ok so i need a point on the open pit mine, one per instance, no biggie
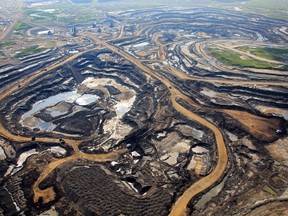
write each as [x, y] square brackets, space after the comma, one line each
[144, 117]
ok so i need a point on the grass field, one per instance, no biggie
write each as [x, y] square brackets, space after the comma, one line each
[275, 9]
[235, 59]
[268, 53]
[21, 26]
[50, 44]
[29, 51]
[66, 12]
[7, 43]
[268, 189]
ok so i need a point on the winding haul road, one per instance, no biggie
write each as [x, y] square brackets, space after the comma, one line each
[48, 194]
[180, 206]
[205, 183]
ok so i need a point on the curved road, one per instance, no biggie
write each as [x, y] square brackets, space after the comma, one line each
[205, 183]
[180, 206]
[48, 194]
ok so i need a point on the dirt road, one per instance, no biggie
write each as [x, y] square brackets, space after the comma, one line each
[48, 194]
[180, 206]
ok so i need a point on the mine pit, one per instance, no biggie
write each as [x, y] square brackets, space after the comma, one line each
[142, 112]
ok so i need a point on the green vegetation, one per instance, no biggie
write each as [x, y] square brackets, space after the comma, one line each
[7, 43]
[1, 54]
[40, 16]
[274, 9]
[268, 189]
[268, 53]
[235, 59]
[50, 44]
[67, 12]
[285, 68]
[29, 51]
[22, 26]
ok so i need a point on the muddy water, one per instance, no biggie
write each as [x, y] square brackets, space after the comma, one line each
[210, 194]
[87, 99]
[123, 107]
[51, 101]
[28, 119]
[21, 160]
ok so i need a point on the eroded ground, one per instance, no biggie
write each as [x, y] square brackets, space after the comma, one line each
[143, 117]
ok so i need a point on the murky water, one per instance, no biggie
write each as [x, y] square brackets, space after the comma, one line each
[87, 99]
[209, 93]
[21, 160]
[56, 113]
[141, 44]
[123, 107]
[57, 150]
[210, 194]
[44, 126]
[52, 101]
[34, 122]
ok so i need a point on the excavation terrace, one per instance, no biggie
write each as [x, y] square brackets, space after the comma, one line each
[145, 113]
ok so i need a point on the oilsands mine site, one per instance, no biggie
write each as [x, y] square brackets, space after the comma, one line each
[143, 108]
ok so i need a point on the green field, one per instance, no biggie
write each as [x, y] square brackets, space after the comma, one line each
[275, 9]
[269, 190]
[7, 43]
[285, 68]
[234, 59]
[66, 12]
[29, 51]
[268, 53]
[50, 44]
[21, 26]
